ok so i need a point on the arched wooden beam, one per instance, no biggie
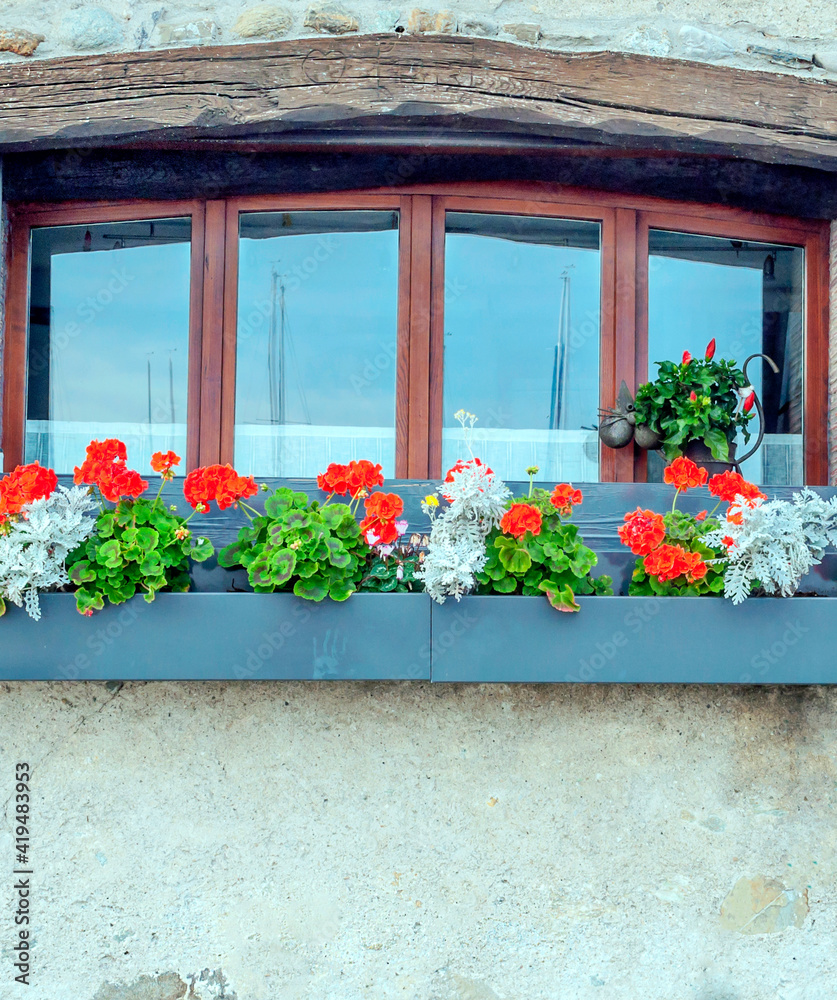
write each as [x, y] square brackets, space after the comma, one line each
[407, 85]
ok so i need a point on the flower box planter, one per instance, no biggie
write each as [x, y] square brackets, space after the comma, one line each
[221, 636]
[699, 640]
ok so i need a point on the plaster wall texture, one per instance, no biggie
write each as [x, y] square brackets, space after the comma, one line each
[797, 36]
[259, 841]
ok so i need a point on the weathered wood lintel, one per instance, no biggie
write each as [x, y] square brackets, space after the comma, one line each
[308, 87]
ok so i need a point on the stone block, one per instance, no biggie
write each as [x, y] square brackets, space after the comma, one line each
[524, 32]
[198, 32]
[477, 26]
[264, 21]
[91, 28]
[763, 905]
[19, 41]
[699, 44]
[430, 22]
[168, 986]
[330, 19]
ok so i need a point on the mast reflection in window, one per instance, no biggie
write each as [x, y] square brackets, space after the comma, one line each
[108, 340]
[522, 343]
[316, 341]
[750, 297]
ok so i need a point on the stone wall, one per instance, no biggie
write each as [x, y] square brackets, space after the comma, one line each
[352, 841]
[794, 36]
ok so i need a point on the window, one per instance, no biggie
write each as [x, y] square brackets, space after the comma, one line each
[284, 332]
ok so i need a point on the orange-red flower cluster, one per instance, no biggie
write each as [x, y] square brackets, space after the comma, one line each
[520, 518]
[563, 497]
[729, 485]
[21, 487]
[220, 483]
[353, 478]
[105, 466]
[642, 531]
[667, 562]
[684, 474]
[164, 463]
[380, 527]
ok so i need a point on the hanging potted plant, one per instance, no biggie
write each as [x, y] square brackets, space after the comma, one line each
[694, 409]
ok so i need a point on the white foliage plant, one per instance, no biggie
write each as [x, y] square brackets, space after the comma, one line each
[456, 550]
[776, 543]
[34, 548]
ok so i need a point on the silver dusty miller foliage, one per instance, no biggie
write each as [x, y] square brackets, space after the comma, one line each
[456, 549]
[34, 551]
[776, 543]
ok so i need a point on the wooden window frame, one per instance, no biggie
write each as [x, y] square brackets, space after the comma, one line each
[625, 222]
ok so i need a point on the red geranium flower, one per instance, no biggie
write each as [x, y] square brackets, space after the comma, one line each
[220, 483]
[381, 511]
[105, 467]
[701, 516]
[25, 484]
[563, 497]
[729, 485]
[101, 456]
[119, 482]
[520, 518]
[164, 463]
[642, 531]
[684, 474]
[333, 480]
[386, 506]
[667, 562]
[461, 466]
[352, 478]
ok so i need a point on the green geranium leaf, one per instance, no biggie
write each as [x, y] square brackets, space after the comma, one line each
[311, 590]
[342, 591]
[230, 555]
[561, 600]
[282, 565]
[82, 572]
[201, 550]
[110, 554]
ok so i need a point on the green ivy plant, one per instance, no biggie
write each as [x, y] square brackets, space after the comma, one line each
[554, 562]
[697, 400]
[140, 546]
[298, 545]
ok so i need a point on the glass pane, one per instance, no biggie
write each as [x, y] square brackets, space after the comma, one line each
[522, 343]
[317, 330]
[108, 340]
[750, 298]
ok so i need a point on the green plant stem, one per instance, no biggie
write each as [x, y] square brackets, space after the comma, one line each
[674, 501]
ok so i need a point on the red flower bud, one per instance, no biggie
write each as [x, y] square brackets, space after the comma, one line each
[686, 357]
[693, 395]
[710, 350]
[749, 402]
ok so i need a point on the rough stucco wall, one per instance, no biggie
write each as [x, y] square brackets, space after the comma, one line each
[797, 35]
[339, 842]
[351, 841]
